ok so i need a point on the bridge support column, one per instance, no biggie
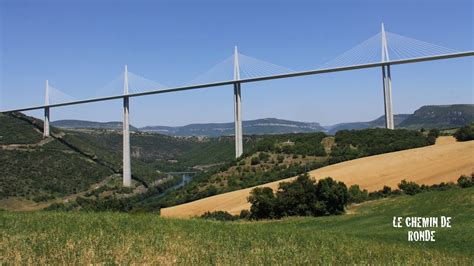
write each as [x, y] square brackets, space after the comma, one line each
[127, 172]
[46, 123]
[238, 121]
[46, 132]
[387, 83]
[387, 92]
[237, 108]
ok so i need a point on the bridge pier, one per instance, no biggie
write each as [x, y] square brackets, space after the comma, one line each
[46, 132]
[387, 83]
[387, 92]
[127, 172]
[237, 108]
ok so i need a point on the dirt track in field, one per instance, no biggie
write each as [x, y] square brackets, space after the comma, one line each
[445, 161]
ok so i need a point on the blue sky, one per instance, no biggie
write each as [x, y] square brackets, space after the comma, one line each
[80, 46]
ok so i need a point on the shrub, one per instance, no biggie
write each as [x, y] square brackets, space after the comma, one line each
[464, 133]
[280, 158]
[356, 195]
[219, 216]
[244, 215]
[410, 188]
[43, 198]
[263, 156]
[254, 161]
[466, 181]
[434, 133]
[386, 190]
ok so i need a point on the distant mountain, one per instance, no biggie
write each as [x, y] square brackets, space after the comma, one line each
[113, 125]
[259, 126]
[379, 122]
[440, 116]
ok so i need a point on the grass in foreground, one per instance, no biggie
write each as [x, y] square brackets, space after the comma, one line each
[366, 237]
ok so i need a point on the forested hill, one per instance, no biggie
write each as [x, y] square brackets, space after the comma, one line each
[69, 162]
[113, 125]
[432, 116]
[259, 126]
[440, 116]
[379, 122]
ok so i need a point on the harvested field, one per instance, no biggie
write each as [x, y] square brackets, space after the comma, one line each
[443, 162]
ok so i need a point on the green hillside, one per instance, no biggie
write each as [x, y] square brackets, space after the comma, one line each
[37, 168]
[71, 161]
[440, 116]
[71, 124]
[281, 156]
[366, 236]
[74, 160]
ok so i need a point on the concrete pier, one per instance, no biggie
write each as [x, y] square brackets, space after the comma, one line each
[387, 83]
[46, 132]
[237, 108]
[127, 172]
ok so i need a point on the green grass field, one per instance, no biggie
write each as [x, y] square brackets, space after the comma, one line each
[365, 236]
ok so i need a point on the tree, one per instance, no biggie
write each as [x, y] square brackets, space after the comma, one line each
[433, 134]
[297, 197]
[386, 190]
[410, 188]
[356, 195]
[464, 133]
[263, 203]
[333, 194]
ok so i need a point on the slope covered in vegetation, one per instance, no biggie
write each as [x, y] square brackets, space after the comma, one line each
[283, 156]
[364, 237]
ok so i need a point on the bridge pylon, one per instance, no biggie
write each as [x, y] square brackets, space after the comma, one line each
[127, 172]
[237, 107]
[46, 132]
[387, 83]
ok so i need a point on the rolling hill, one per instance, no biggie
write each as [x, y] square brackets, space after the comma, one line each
[379, 122]
[259, 126]
[432, 116]
[37, 169]
[83, 124]
[440, 116]
[442, 162]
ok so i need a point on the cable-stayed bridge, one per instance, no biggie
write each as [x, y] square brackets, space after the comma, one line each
[381, 50]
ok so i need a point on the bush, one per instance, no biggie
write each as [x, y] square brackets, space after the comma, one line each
[410, 188]
[263, 156]
[356, 195]
[434, 133]
[280, 158]
[464, 133]
[254, 161]
[219, 216]
[386, 190]
[43, 198]
[244, 215]
[466, 181]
